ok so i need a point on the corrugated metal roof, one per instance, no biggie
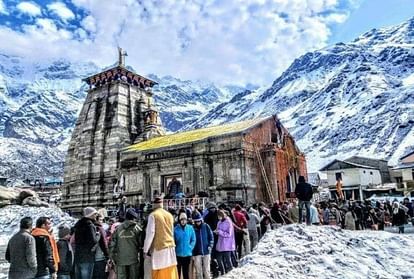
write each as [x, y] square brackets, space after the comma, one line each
[325, 168]
[194, 135]
[404, 166]
[407, 155]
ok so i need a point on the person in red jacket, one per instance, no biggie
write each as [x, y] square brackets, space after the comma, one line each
[240, 222]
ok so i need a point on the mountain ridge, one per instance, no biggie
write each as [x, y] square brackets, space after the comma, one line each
[348, 99]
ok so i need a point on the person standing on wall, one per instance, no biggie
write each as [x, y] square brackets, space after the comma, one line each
[304, 194]
[21, 252]
[339, 191]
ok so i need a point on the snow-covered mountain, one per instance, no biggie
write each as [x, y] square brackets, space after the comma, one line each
[39, 104]
[183, 101]
[38, 108]
[347, 99]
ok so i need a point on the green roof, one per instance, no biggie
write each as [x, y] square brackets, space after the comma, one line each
[194, 135]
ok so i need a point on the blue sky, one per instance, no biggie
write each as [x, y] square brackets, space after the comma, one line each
[224, 41]
[372, 14]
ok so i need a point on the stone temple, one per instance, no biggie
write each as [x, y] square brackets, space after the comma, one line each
[119, 145]
[118, 111]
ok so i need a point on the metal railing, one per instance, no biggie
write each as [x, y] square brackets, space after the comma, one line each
[185, 202]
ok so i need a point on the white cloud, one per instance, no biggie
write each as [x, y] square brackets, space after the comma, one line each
[221, 41]
[336, 18]
[29, 8]
[2, 8]
[89, 23]
[61, 10]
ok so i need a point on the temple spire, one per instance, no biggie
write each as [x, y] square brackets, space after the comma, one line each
[121, 57]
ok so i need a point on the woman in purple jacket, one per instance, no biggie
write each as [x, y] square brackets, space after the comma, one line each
[225, 243]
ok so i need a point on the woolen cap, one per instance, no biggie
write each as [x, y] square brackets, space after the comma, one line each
[89, 211]
[63, 230]
[182, 216]
[158, 200]
[211, 205]
[131, 214]
[197, 217]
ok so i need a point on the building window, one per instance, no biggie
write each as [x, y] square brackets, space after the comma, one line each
[338, 175]
[364, 171]
[370, 173]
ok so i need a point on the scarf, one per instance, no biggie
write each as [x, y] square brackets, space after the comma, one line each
[55, 252]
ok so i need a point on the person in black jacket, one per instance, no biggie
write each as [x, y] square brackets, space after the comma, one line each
[398, 217]
[211, 219]
[46, 250]
[304, 194]
[65, 253]
[85, 239]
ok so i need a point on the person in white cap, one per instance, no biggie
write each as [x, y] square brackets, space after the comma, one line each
[86, 238]
[159, 242]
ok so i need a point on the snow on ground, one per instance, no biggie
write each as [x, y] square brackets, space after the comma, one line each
[10, 221]
[10, 217]
[300, 252]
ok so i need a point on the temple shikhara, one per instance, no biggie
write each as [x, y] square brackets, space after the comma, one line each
[119, 146]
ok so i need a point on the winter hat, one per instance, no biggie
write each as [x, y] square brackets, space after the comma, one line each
[131, 214]
[197, 217]
[182, 216]
[158, 200]
[63, 230]
[89, 212]
[211, 205]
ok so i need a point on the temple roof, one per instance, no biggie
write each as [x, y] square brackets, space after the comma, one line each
[116, 73]
[195, 135]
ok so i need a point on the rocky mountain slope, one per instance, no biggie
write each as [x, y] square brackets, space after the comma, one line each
[352, 98]
[38, 108]
[39, 104]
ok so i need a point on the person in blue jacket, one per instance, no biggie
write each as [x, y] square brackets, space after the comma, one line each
[203, 246]
[185, 240]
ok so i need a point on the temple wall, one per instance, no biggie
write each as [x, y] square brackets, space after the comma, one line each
[225, 167]
[106, 124]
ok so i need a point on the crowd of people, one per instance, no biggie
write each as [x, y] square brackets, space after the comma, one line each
[187, 242]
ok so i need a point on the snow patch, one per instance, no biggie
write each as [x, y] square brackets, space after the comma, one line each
[304, 252]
